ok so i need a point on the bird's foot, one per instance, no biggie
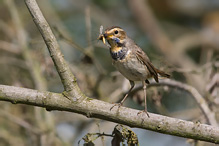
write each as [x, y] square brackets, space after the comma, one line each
[144, 111]
[116, 104]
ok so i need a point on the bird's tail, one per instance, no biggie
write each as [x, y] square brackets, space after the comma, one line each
[162, 73]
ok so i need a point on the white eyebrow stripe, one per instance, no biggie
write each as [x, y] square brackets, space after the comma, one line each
[112, 30]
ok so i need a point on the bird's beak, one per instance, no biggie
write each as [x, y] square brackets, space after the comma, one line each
[107, 35]
[103, 37]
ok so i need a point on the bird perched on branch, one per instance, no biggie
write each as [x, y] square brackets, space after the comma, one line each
[130, 60]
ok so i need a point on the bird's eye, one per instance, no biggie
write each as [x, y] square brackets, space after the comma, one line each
[116, 32]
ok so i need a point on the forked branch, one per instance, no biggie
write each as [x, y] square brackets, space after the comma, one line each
[92, 107]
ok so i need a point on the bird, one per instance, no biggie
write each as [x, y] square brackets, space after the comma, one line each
[130, 60]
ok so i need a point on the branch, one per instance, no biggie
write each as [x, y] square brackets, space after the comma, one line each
[67, 78]
[210, 116]
[91, 107]
[100, 109]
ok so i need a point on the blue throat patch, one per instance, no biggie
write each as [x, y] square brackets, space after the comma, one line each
[118, 55]
[117, 40]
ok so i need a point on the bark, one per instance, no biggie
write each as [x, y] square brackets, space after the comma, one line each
[93, 108]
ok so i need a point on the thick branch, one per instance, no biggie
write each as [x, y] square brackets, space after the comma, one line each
[99, 109]
[67, 78]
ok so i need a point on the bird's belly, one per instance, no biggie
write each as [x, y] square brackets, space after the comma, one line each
[132, 69]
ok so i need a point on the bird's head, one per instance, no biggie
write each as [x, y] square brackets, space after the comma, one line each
[114, 35]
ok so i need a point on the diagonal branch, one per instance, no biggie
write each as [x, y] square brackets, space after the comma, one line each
[100, 109]
[67, 78]
[202, 103]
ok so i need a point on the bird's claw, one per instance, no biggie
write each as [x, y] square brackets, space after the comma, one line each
[144, 111]
[116, 104]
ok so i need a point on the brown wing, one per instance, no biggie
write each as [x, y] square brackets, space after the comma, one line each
[143, 58]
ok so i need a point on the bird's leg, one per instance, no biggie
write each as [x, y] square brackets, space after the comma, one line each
[145, 99]
[126, 95]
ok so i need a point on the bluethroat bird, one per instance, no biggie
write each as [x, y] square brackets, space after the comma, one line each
[130, 60]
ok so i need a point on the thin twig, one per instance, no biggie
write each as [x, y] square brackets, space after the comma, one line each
[210, 115]
[101, 134]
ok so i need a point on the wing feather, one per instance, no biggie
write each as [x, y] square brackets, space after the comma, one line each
[143, 58]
